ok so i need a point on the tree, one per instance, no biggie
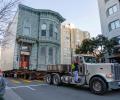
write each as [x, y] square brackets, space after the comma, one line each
[99, 46]
[87, 46]
[7, 11]
[110, 45]
[101, 42]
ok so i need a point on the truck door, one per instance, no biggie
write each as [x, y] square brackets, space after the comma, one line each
[81, 67]
[81, 71]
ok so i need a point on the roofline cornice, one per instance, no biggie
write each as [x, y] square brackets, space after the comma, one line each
[21, 6]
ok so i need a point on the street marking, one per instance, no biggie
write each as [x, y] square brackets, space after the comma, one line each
[11, 95]
[38, 81]
[26, 81]
[15, 81]
[28, 86]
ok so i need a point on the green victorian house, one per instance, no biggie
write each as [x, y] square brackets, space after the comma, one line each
[34, 39]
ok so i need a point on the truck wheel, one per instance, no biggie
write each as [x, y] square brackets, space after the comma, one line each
[98, 86]
[56, 79]
[48, 79]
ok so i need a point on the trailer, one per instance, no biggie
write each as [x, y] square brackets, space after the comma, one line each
[25, 74]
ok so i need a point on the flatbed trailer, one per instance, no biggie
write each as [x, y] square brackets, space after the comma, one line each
[25, 74]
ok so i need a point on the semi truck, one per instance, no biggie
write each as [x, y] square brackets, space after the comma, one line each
[99, 77]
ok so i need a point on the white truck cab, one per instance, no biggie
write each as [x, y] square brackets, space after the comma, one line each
[100, 77]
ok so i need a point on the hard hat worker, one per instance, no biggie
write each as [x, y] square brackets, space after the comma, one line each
[75, 70]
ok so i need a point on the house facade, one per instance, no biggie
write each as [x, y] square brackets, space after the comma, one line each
[34, 40]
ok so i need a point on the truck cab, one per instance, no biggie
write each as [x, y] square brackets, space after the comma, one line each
[100, 77]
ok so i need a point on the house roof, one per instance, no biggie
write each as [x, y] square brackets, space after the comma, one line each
[42, 11]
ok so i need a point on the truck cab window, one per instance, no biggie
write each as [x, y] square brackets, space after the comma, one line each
[90, 59]
[81, 60]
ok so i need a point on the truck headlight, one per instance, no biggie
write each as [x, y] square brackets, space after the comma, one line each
[109, 75]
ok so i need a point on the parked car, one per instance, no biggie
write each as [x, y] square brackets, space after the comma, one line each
[2, 84]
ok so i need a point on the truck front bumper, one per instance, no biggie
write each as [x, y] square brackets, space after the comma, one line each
[114, 85]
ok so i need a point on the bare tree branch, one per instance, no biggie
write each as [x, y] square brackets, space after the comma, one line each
[7, 11]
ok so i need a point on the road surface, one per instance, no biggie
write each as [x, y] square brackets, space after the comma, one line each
[18, 89]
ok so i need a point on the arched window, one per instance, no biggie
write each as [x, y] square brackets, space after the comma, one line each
[43, 29]
[51, 30]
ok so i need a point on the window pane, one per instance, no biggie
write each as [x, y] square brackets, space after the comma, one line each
[115, 8]
[112, 25]
[51, 30]
[43, 55]
[50, 55]
[56, 32]
[110, 11]
[26, 30]
[56, 60]
[117, 24]
[43, 33]
[43, 29]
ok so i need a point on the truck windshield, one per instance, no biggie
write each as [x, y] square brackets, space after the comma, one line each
[90, 59]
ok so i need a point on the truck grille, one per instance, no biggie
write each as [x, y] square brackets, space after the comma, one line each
[116, 71]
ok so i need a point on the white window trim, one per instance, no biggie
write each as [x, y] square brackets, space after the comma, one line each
[114, 23]
[112, 8]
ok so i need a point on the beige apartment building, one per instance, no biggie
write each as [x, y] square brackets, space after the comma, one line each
[110, 23]
[71, 38]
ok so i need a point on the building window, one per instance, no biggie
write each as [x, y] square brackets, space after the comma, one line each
[51, 30]
[43, 55]
[112, 10]
[26, 30]
[50, 55]
[56, 32]
[43, 29]
[56, 59]
[26, 27]
[114, 25]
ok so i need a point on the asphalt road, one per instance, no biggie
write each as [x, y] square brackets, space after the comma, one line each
[37, 90]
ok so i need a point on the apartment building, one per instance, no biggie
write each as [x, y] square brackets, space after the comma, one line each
[71, 38]
[110, 23]
[110, 17]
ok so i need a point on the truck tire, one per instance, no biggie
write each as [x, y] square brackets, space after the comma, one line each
[56, 79]
[98, 86]
[48, 79]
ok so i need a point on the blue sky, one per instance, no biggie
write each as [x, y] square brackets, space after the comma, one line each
[83, 13]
